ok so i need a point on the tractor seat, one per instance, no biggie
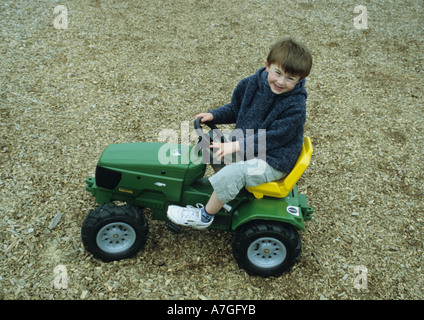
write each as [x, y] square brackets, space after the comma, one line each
[281, 188]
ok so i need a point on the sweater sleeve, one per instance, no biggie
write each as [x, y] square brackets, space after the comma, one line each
[228, 113]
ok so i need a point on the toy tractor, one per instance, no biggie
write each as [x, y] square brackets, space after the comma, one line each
[265, 219]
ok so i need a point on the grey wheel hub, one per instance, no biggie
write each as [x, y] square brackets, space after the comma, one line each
[116, 237]
[266, 252]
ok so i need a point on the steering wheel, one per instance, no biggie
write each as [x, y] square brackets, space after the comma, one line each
[206, 139]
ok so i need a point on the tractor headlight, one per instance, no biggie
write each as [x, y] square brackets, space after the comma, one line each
[106, 178]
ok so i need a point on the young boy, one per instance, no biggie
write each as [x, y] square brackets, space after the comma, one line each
[274, 99]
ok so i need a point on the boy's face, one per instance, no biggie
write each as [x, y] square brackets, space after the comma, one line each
[279, 81]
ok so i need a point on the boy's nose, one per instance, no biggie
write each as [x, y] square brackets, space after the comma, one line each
[281, 81]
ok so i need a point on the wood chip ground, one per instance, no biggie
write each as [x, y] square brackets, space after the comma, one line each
[124, 71]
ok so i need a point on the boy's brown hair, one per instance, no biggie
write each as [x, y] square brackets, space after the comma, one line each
[292, 56]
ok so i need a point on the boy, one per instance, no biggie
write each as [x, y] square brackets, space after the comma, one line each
[274, 99]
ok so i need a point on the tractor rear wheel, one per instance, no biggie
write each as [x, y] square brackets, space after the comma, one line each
[266, 248]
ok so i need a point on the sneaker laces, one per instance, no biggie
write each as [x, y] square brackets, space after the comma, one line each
[191, 211]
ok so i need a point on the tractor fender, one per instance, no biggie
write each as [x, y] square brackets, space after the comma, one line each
[285, 210]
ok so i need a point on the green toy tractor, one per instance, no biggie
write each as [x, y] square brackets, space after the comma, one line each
[265, 219]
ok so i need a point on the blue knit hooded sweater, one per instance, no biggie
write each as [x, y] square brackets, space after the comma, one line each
[254, 106]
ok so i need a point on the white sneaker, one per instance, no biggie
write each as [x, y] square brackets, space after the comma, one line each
[189, 216]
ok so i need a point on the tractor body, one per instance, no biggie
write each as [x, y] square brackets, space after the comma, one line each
[265, 219]
[156, 175]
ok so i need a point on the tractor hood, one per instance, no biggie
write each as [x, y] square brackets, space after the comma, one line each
[165, 160]
[134, 156]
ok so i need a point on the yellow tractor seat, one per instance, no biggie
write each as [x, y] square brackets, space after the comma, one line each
[281, 188]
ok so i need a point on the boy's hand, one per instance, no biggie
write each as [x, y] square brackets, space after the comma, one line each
[224, 148]
[205, 117]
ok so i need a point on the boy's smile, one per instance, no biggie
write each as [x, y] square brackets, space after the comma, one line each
[279, 81]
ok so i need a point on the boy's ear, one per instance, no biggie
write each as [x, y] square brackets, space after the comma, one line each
[267, 66]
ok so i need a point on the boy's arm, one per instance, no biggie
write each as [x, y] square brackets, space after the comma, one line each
[228, 113]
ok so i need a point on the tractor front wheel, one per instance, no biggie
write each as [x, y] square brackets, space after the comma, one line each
[266, 248]
[112, 232]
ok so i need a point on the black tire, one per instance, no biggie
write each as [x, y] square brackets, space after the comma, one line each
[114, 232]
[266, 248]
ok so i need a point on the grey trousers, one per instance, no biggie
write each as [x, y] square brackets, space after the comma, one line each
[228, 182]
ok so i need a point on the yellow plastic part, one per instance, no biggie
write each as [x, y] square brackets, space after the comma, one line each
[281, 188]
